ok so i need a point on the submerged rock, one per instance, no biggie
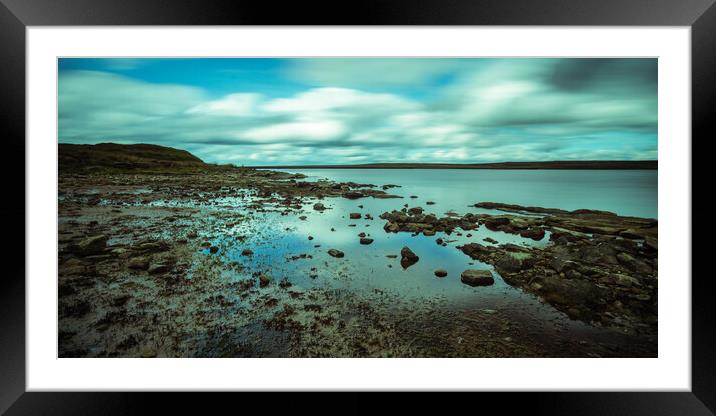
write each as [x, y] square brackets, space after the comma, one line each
[355, 215]
[319, 207]
[246, 252]
[441, 273]
[477, 277]
[264, 280]
[366, 241]
[335, 253]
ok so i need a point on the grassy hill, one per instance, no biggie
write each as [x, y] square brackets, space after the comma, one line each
[125, 157]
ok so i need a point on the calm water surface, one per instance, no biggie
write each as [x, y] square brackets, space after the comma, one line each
[626, 192]
[278, 241]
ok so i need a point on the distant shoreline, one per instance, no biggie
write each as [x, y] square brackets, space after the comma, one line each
[556, 165]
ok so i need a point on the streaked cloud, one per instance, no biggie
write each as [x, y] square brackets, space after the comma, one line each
[371, 110]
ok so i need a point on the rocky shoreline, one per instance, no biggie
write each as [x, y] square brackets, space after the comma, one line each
[143, 271]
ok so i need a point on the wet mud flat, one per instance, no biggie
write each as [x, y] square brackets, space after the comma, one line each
[246, 263]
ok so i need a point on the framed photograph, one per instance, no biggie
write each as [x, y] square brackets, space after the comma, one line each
[417, 197]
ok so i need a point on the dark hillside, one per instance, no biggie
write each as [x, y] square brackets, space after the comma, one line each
[122, 157]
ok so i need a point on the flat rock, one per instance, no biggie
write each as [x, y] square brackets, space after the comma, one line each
[366, 241]
[477, 277]
[139, 263]
[90, 246]
[335, 253]
[441, 273]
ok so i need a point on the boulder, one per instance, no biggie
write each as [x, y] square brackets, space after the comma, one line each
[161, 266]
[246, 252]
[319, 207]
[335, 253]
[495, 223]
[355, 215]
[633, 264]
[153, 246]
[407, 257]
[90, 246]
[508, 263]
[366, 241]
[534, 233]
[139, 263]
[474, 277]
[264, 280]
[353, 195]
[441, 273]
[407, 253]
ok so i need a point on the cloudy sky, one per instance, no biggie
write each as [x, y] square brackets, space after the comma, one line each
[362, 110]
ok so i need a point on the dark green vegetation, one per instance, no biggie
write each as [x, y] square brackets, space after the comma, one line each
[143, 230]
[111, 157]
[565, 164]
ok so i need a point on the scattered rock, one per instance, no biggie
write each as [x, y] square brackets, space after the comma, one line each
[264, 280]
[441, 273]
[161, 266]
[355, 215]
[353, 195]
[247, 252]
[474, 277]
[319, 207]
[536, 234]
[140, 263]
[366, 241]
[335, 253]
[407, 257]
[90, 246]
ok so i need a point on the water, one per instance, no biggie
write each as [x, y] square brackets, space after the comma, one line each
[625, 192]
[279, 238]
[276, 238]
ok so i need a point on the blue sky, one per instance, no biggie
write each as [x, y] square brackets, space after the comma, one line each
[360, 110]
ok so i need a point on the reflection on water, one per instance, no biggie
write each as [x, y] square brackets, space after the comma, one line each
[286, 247]
[625, 192]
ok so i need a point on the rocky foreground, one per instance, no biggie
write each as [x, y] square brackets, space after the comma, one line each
[143, 272]
[600, 266]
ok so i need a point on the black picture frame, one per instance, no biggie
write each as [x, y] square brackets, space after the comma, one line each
[16, 15]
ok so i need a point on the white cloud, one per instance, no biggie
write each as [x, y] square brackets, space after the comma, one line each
[489, 112]
[307, 130]
[238, 104]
